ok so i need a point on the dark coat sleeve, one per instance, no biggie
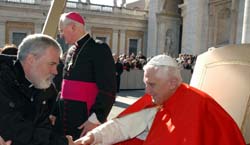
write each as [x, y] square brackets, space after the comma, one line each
[17, 120]
[105, 78]
[14, 126]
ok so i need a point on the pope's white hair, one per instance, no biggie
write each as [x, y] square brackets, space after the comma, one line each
[163, 60]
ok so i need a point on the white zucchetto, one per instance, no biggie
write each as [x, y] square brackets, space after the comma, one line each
[162, 60]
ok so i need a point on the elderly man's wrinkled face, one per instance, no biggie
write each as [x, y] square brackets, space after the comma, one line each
[157, 87]
[44, 68]
[66, 32]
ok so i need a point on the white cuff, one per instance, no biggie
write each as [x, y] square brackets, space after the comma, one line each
[93, 119]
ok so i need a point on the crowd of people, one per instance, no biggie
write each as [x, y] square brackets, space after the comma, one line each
[171, 112]
[132, 61]
[187, 61]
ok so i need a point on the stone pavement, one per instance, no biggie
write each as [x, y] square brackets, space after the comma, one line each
[123, 100]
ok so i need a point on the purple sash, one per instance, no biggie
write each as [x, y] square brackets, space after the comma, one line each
[79, 91]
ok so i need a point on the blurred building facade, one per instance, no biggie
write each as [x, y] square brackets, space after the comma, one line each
[148, 26]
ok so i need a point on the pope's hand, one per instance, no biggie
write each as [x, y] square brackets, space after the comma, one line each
[85, 140]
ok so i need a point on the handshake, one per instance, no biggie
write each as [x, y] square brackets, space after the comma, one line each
[86, 140]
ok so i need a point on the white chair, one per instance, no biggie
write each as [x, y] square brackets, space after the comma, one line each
[224, 73]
